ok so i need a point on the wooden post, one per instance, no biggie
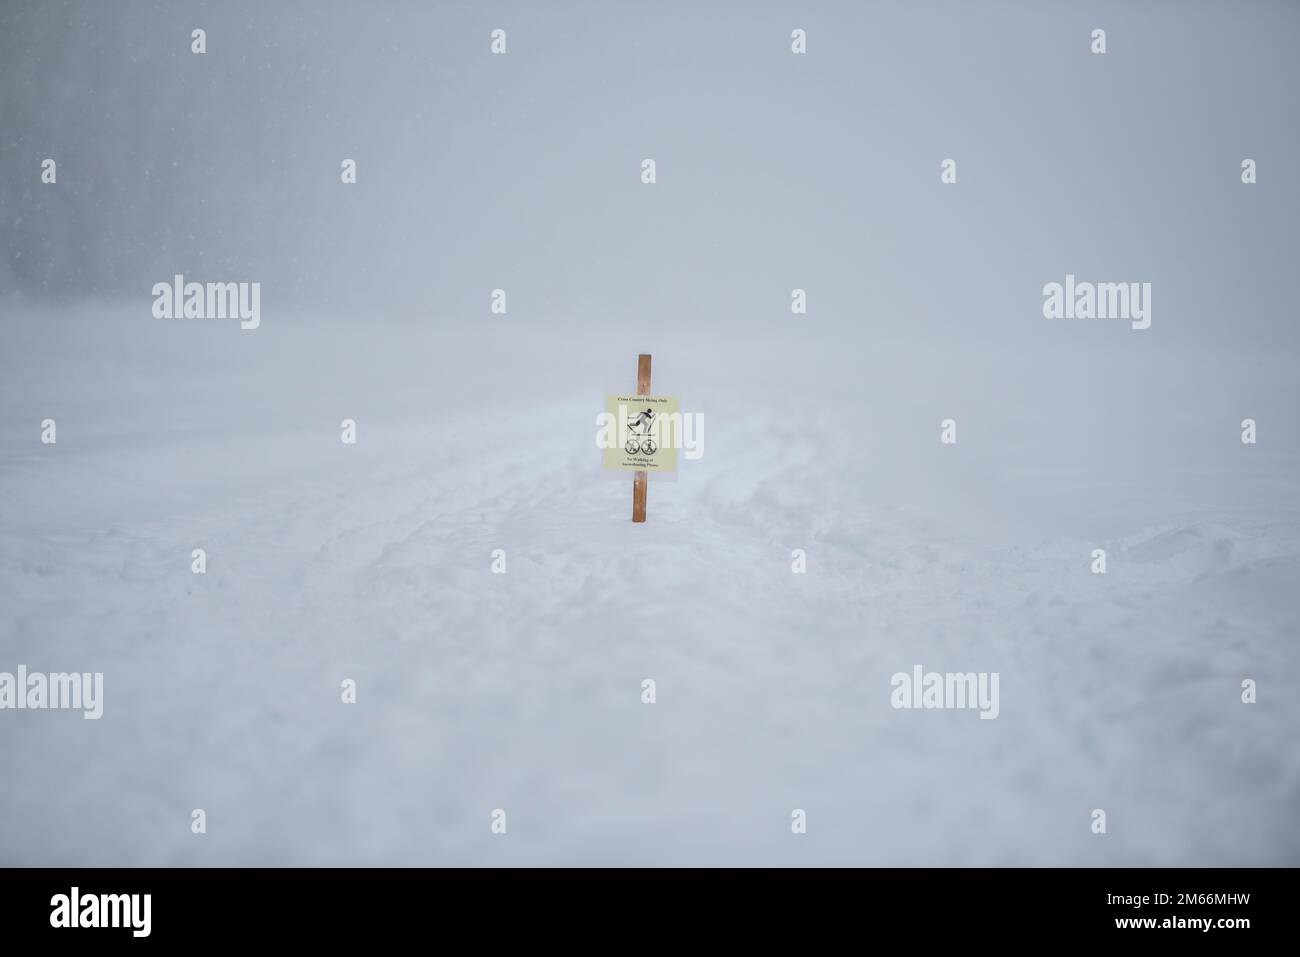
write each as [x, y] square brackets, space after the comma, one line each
[640, 480]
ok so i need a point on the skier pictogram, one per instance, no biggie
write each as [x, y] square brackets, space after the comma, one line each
[644, 443]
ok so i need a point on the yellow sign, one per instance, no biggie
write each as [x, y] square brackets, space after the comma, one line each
[641, 433]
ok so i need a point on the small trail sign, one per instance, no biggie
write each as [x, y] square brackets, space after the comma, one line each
[646, 435]
[644, 425]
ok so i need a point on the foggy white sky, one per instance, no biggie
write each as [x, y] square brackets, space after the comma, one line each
[775, 171]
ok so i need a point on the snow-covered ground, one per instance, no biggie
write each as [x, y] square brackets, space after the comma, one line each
[522, 691]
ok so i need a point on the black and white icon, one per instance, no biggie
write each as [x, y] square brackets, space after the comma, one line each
[641, 441]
